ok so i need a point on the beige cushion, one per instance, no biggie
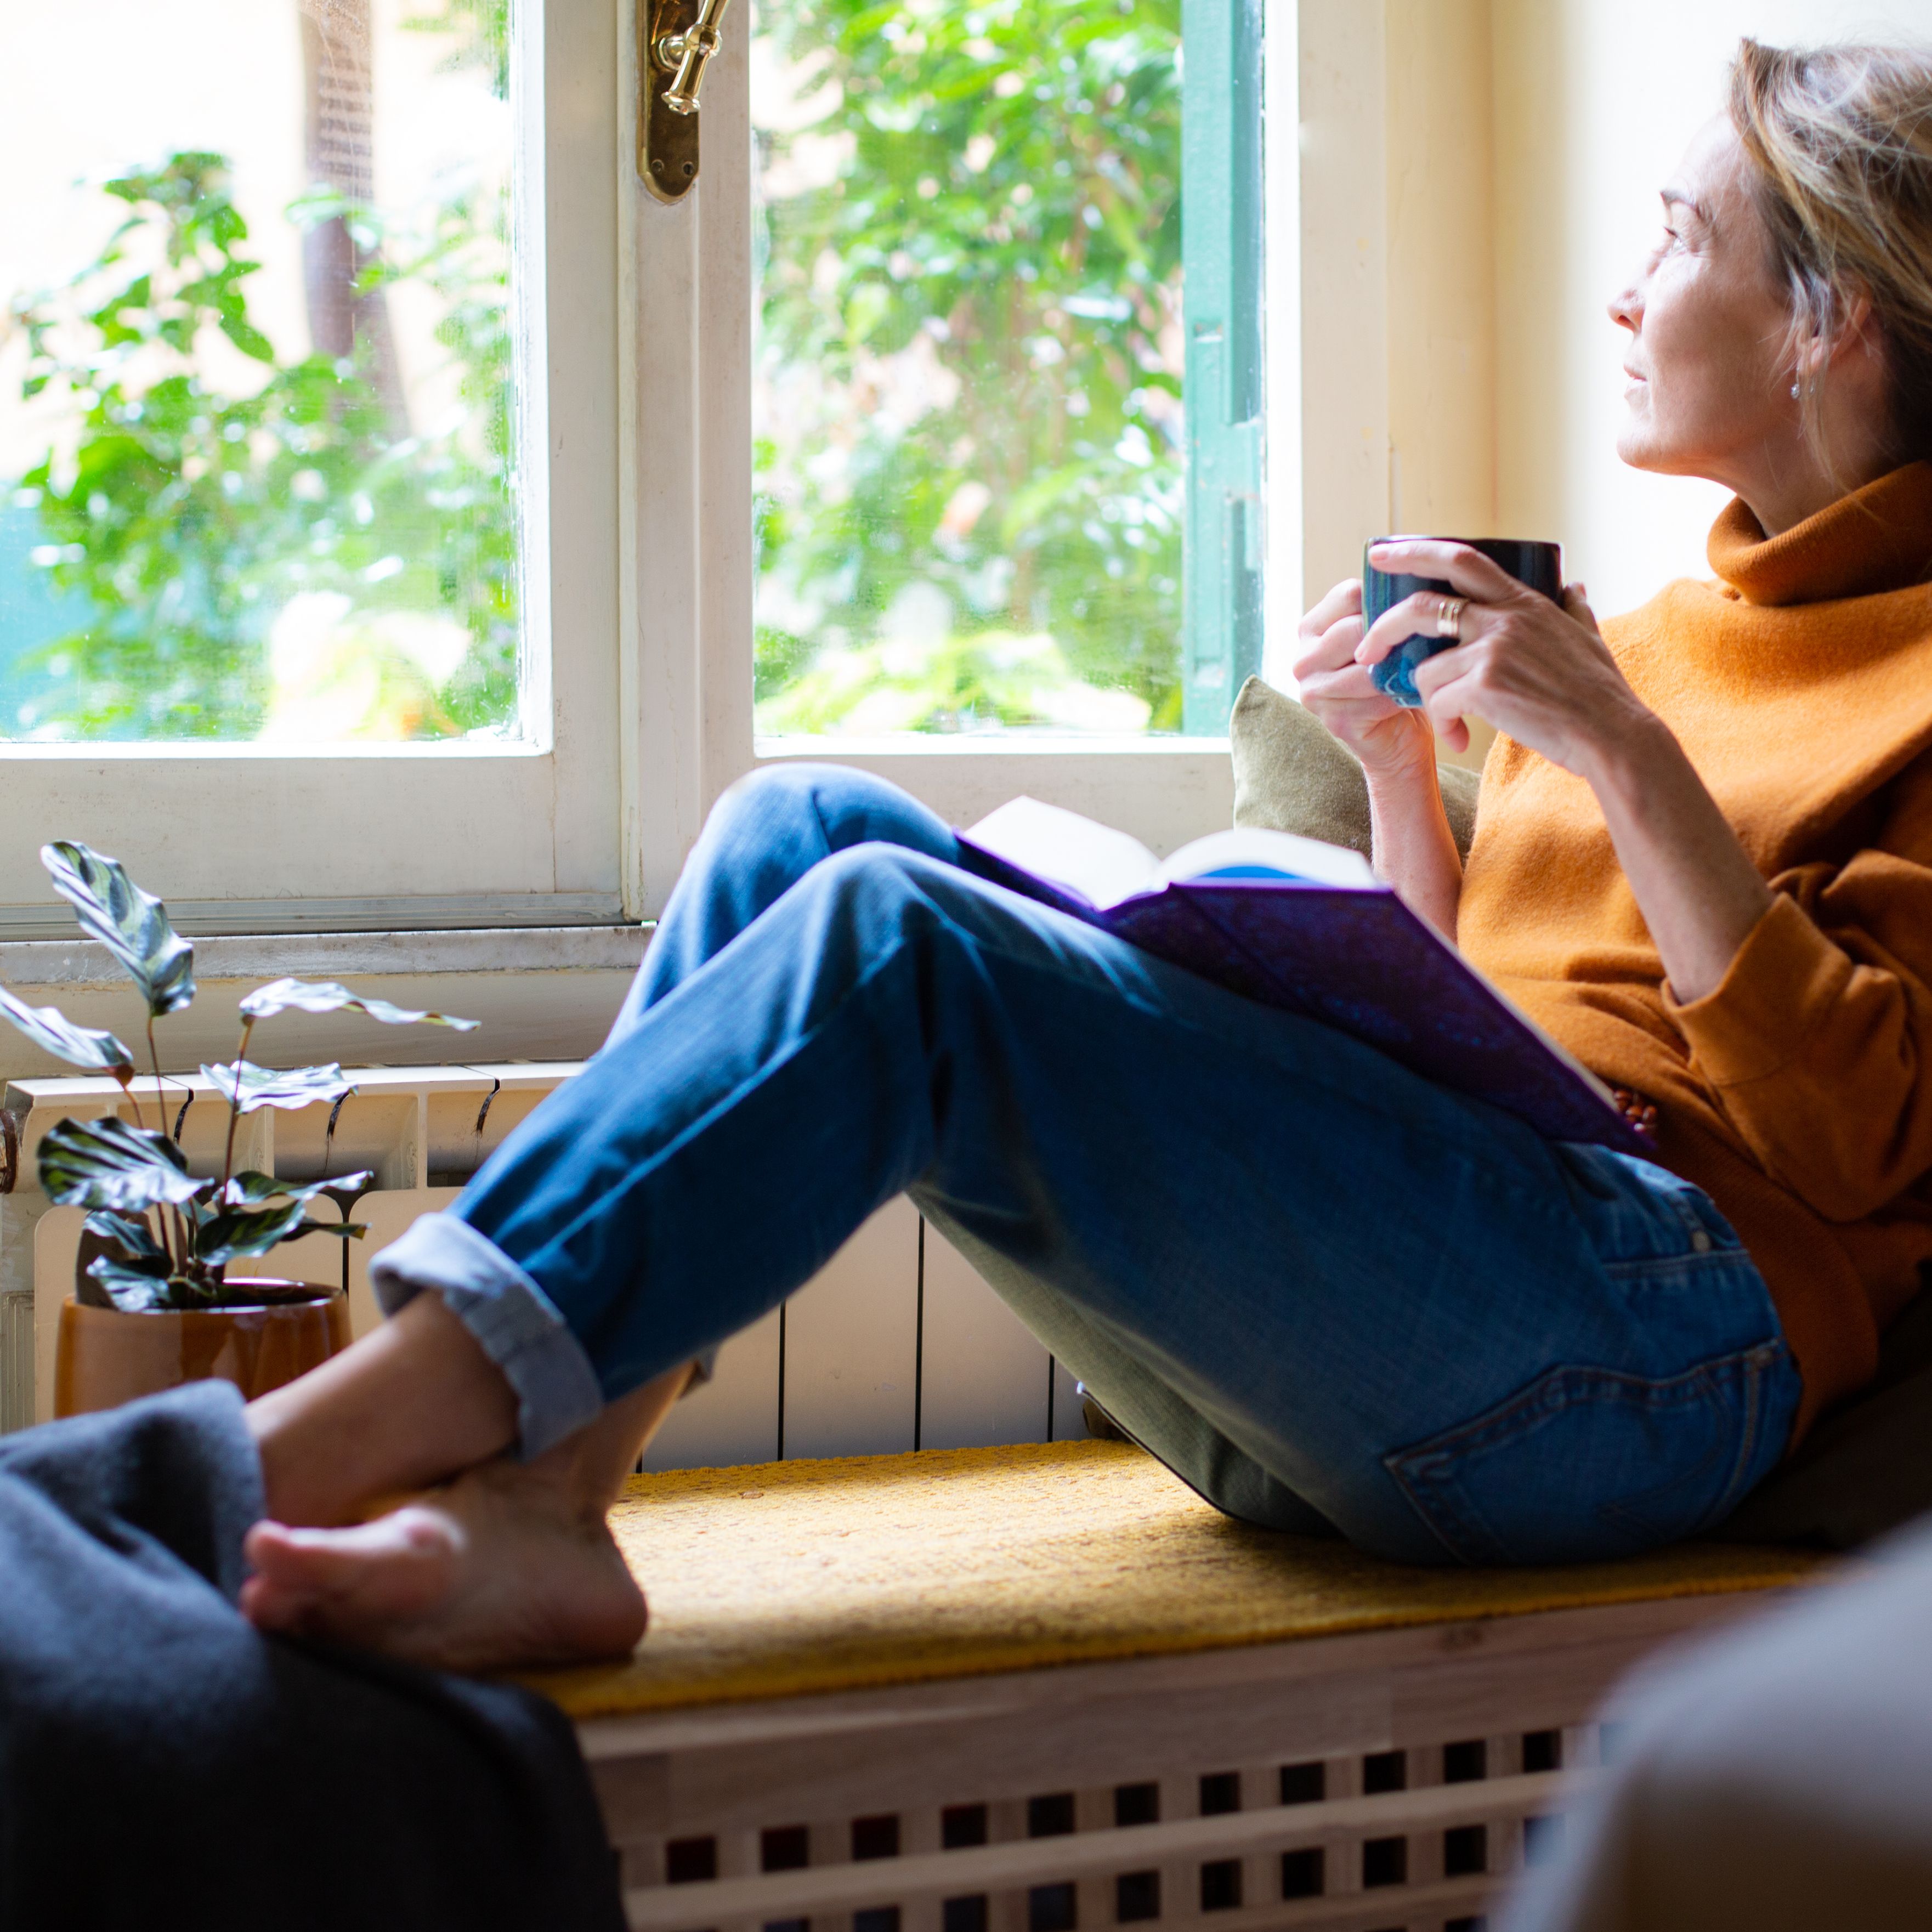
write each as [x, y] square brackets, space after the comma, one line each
[1292, 774]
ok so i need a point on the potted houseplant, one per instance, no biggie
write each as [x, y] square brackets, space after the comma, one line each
[158, 1297]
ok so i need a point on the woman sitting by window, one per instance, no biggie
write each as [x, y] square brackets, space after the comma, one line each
[1329, 1295]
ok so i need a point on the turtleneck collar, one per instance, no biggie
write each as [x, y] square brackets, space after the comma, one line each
[1877, 539]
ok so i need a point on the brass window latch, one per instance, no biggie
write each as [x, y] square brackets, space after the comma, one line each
[676, 40]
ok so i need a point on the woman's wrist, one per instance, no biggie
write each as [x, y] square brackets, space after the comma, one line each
[1414, 850]
[1626, 760]
[1403, 776]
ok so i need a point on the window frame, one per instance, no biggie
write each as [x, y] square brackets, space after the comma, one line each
[688, 579]
[250, 838]
[689, 591]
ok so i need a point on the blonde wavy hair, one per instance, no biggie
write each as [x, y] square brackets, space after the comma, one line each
[1839, 143]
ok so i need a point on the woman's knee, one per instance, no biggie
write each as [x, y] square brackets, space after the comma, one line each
[829, 791]
[867, 899]
[848, 808]
[877, 871]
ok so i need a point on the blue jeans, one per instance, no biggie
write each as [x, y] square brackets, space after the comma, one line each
[1329, 1295]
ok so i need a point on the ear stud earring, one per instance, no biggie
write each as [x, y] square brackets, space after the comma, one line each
[1794, 392]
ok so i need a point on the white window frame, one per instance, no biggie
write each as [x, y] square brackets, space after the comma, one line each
[247, 837]
[688, 599]
[687, 586]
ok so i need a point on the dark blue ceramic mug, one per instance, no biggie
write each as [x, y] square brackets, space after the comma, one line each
[1538, 565]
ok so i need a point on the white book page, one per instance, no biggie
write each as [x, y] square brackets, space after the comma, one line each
[1249, 848]
[1103, 865]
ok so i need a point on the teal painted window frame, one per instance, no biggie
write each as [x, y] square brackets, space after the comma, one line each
[1221, 226]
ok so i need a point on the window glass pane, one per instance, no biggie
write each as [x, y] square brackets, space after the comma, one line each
[255, 406]
[968, 384]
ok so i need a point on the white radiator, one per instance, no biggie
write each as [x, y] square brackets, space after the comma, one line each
[896, 1344]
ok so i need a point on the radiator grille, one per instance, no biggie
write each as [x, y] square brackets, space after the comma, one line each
[897, 1344]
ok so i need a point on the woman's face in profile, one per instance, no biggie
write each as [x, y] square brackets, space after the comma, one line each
[1710, 371]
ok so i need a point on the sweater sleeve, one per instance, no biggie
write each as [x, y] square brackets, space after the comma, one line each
[1817, 1042]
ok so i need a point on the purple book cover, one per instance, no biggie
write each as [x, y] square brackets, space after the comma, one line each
[1356, 959]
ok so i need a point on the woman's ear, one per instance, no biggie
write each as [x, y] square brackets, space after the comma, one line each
[1851, 345]
[1859, 337]
[1817, 353]
[1860, 325]
[1859, 366]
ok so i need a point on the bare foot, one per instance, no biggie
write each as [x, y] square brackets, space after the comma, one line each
[499, 1569]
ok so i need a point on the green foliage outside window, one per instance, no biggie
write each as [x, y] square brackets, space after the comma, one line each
[1003, 225]
[188, 509]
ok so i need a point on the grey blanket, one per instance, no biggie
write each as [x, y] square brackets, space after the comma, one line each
[163, 1763]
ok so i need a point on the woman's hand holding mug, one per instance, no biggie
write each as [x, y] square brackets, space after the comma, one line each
[1335, 685]
[1538, 671]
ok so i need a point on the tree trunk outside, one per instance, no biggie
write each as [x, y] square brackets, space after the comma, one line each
[338, 76]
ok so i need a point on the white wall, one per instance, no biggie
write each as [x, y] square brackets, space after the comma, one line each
[1595, 100]
[1476, 179]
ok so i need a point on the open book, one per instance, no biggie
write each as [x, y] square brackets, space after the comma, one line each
[1296, 923]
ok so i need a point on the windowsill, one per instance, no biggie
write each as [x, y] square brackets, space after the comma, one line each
[539, 993]
[78, 962]
[986, 744]
[274, 750]
[281, 923]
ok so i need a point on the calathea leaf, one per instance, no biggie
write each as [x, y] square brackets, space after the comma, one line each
[324, 996]
[250, 1086]
[131, 1234]
[132, 1288]
[133, 925]
[52, 1032]
[246, 1232]
[108, 1164]
[248, 1189]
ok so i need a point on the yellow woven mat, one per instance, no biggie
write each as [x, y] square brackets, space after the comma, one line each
[779, 1578]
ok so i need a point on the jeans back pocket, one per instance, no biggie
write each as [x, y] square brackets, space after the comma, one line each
[1587, 1463]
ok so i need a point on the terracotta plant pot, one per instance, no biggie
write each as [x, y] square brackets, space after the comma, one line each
[104, 1358]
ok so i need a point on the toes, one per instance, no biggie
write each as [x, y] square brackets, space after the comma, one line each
[272, 1607]
[282, 1590]
[272, 1549]
[397, 1566]
[306, 1563]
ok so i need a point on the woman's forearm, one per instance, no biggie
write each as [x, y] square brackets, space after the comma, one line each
[1540, 672]
[1695, 884]
[1414, 849]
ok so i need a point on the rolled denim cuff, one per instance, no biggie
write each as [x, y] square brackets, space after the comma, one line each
[515, 1324]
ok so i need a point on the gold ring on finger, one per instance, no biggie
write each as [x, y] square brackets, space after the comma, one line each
[1449, 618]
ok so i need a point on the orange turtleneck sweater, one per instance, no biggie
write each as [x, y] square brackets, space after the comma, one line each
[1797, 1094]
